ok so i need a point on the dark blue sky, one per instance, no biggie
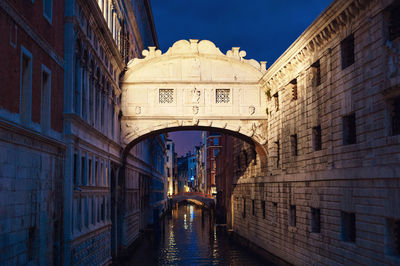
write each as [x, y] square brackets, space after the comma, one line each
[263, 28]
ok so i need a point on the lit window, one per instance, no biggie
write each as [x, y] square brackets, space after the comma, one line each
[48, 9]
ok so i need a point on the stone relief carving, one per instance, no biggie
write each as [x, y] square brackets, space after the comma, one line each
[196, 95]
[130, 131]
[252, 109]
[138, 110]
[258, 130]
[195, 110]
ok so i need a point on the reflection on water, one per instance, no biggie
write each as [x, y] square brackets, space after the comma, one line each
[188, 236]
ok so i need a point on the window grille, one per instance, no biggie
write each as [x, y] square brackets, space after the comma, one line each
[347, 49]
[222, 95]
[294, 89]
[166, 96]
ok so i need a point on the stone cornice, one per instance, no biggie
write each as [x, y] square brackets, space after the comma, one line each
[318, 34]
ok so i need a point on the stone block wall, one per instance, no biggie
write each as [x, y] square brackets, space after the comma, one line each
[331, 191]
[31, 203]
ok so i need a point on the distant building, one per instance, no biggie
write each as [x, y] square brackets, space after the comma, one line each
[171, 166]
[213, 147]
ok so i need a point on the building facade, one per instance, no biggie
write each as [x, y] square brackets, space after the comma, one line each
[66, 185]
[212, 150]
[171, 167]
[31, 126]
[330, 190]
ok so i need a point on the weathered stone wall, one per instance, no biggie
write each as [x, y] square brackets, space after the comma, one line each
[360, 179]
[31, 203]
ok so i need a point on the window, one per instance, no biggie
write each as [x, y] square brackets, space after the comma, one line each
[274, 212]
[216, 151]
[222, 95]
[13, 34]
[263, 208]
[91, 181]
[216, 141]
[316, 70]
[394, 109]
[244, 208]
[348, 227]
[276, 99]
[26, 86]
[317, 138]
[315, 220]
[166, 95]
[347, 51]
[31, 241]
[349, 129]
[75, 169]
[168, 147]
[278, 153]
[83, 168]
[293, 144]
[96, 172]
[393, 237]
[48, 9]
[45, 112]
[253, 208]
[394, 22]
[292, 215]
[294, 89]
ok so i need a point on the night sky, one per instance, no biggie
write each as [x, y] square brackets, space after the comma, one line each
[264, 29]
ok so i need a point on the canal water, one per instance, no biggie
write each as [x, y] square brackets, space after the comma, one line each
[188, 236]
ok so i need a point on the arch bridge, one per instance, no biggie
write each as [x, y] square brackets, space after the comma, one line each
[194, 86]
[195, 197]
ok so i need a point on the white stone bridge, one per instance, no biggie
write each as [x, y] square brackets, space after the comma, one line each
[194, 86]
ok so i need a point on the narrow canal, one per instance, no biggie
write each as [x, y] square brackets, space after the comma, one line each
[188, 236]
